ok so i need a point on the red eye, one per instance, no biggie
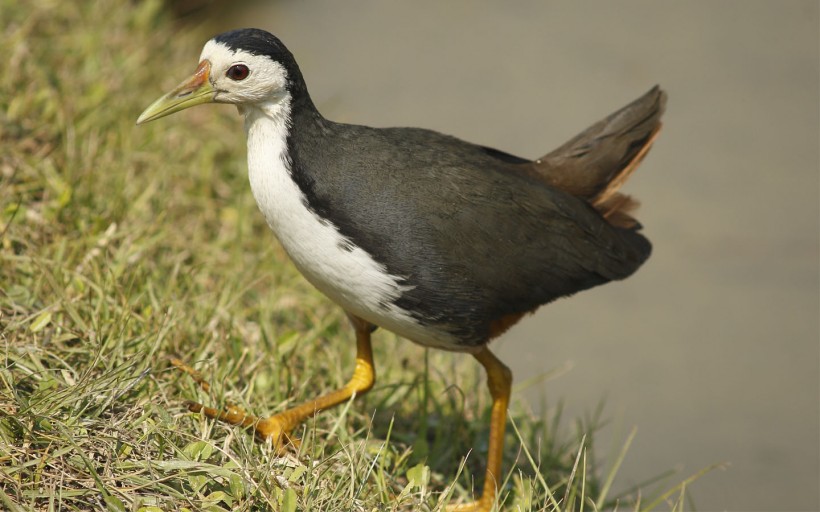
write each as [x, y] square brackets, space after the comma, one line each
[238, 72]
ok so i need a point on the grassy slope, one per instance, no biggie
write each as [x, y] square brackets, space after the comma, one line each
[122, 246]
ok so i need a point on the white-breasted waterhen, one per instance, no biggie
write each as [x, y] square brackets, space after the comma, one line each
[443, 242]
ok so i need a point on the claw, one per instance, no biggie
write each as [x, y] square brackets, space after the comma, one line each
[277, 429]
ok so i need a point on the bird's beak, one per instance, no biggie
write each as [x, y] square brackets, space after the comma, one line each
[194, 91]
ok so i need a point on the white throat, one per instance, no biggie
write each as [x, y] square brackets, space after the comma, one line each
[351, 278]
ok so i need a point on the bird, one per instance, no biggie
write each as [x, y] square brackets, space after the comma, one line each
[441, 241]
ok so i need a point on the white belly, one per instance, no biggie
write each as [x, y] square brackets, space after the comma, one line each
[351, 278]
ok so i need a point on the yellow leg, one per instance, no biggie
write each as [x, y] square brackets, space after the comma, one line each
[277, 428]
[499, 380]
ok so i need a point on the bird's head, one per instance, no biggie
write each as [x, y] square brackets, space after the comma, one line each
[241, 67]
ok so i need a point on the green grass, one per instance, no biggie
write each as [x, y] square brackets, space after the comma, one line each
[121, 247]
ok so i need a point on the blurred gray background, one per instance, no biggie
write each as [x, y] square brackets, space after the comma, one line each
[712, 348]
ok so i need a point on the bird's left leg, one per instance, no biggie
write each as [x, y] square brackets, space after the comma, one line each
[277, 428]
[499, 380]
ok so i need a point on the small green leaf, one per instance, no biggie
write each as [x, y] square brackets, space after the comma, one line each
[237, 486]
[218, 496]
[190, 465]
[197, 482]
[297, 473]
[46, 385]
[198, 450]
[42, 320]
[418, 476]
[114, 504]
[289, 501]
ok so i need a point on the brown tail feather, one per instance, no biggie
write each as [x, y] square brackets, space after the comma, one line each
[615, 207]
[617, 181]
[597, 162]
[618, 210]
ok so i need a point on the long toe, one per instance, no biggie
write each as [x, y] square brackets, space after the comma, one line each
[183, 367]
[230, 414]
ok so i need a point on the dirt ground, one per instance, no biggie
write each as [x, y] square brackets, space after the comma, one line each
[712, 348]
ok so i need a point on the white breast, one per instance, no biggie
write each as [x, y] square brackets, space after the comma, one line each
[352, 279]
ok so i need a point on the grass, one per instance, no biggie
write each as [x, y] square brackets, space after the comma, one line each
[121, 247]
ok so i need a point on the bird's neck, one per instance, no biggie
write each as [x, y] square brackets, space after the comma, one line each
[267, 126]
[271, 117]
[275, 168]
[280, 118]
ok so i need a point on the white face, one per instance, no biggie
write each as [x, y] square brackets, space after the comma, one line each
[242, 78]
